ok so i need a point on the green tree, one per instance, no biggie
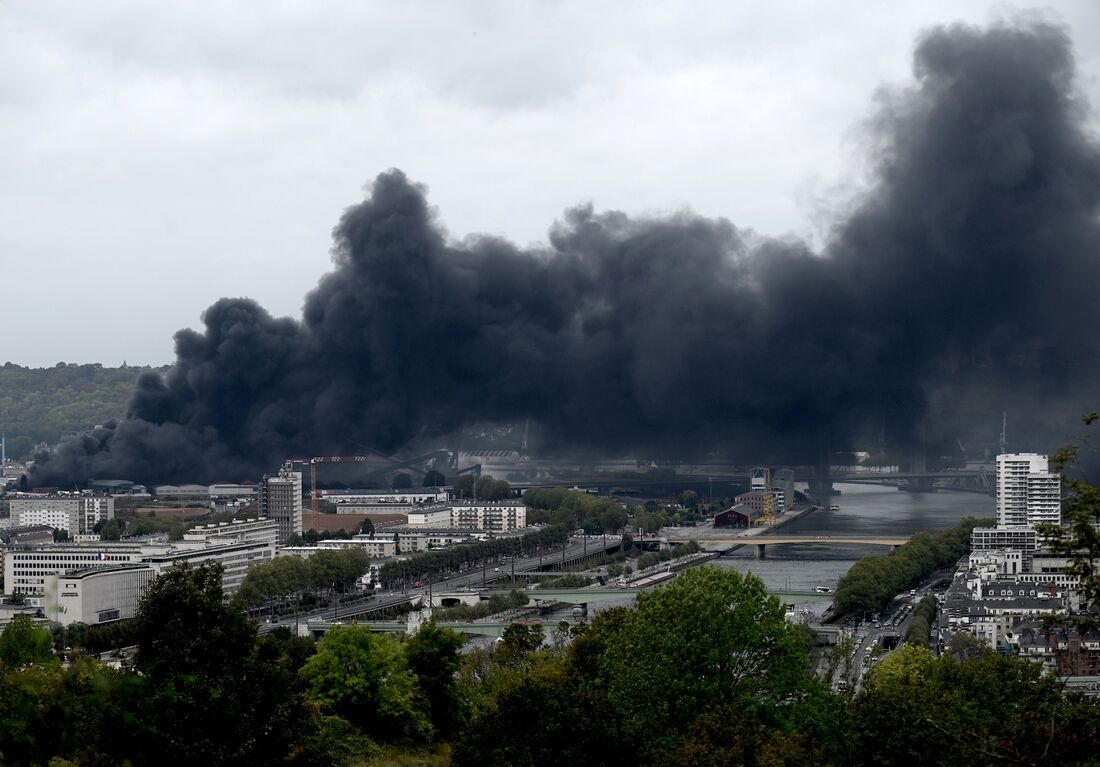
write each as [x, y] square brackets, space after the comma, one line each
[872, 582]
[1079, 538]
[987, 709]
[364, 678]
[547, 715]
[487, 488]
[211, 691]
[184, 628]
[710, 637]
[432, 654]
[336, 741]
[111, 529]
[23, 643]
[519, 641]
[464, 486]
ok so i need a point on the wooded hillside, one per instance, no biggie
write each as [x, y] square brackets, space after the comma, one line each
[42, 404]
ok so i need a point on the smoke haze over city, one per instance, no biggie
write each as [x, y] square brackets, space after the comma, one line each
[960, 283]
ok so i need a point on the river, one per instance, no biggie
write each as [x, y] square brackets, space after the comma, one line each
[864, 510]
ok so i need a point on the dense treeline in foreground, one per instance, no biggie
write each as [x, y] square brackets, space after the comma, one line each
[704, 671]
[874, 581]
[41, 404]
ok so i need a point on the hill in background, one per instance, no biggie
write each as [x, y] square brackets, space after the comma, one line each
[42, 404]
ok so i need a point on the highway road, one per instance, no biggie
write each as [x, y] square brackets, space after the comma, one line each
[869, 635]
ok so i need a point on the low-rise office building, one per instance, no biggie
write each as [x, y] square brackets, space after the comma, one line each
[405, 496]
[26, 569]
[96, 595]
[393, 544]
[235, 558]
[181, 491]
[437, 515]
[73, 514]
[228, 490]
[1023, 539]
[236, 546]
[251, 530]
[491, 516]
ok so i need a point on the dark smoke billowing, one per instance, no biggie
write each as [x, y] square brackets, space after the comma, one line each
[965, 279]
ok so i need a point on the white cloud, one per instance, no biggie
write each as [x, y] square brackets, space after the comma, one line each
[156, 156]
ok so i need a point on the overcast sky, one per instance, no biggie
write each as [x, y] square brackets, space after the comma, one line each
[157, 156]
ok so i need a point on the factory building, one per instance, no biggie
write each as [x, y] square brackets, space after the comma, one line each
[739, 515]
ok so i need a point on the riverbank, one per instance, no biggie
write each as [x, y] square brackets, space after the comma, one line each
[700, 535]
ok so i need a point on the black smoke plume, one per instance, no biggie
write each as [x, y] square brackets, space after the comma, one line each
[963, 282]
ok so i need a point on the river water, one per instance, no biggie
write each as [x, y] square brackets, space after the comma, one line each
[864, 510]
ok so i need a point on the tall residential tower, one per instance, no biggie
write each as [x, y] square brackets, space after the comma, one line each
[1028, 493]
[281, 500]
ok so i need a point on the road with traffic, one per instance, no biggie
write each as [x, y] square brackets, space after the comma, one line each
[365, 602]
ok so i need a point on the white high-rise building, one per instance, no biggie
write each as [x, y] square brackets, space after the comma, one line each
[1028, 493]
[281, 500]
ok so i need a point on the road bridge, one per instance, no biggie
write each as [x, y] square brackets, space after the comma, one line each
[763, 541]
[974, 480]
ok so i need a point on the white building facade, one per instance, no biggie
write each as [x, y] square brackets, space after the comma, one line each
[96, 595]
[491, 516]
[281, 500]
[236, 546]
[75, 515]
[1028, 493]
[26, 569]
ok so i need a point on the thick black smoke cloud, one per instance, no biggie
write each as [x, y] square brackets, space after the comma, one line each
[966, 274]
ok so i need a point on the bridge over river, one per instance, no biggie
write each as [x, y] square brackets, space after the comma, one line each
[761, 542]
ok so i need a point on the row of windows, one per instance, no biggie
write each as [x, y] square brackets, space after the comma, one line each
[70, 557]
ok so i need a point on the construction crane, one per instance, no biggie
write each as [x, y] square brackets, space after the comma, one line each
[314, 491]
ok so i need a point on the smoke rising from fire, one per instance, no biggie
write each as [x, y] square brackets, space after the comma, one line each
[963, 281]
